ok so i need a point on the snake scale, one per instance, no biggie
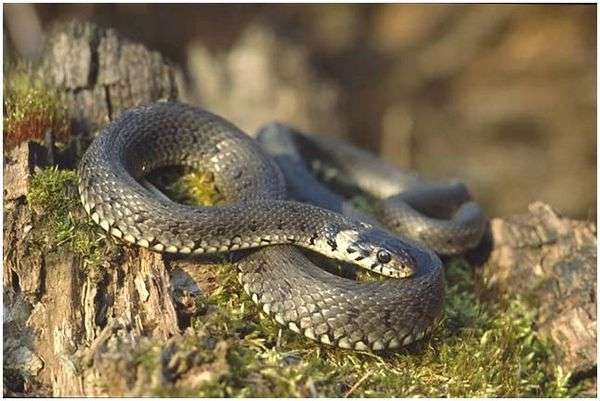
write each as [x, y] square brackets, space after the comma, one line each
[258, 215]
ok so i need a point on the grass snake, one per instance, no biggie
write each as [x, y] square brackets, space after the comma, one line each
[259, 215]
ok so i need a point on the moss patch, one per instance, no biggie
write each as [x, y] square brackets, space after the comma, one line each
[187, 186]
[479, 349]
[61, 220]
[31, 107]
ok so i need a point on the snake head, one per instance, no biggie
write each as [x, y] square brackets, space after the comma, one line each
[377, 250]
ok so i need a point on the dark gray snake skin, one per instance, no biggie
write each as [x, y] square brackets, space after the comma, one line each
[440, 216]
[257, 214]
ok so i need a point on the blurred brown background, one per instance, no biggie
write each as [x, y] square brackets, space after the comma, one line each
[500, 96]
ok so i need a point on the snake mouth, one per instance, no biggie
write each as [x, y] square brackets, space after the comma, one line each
[403, 272]
[398, 270]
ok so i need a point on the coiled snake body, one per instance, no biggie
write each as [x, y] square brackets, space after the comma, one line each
[278, 276]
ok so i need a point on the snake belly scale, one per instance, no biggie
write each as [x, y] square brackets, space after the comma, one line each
[257, 214]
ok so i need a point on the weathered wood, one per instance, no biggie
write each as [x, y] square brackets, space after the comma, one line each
[61, 310]
[19, 167]
[552, 261]
[101, 74]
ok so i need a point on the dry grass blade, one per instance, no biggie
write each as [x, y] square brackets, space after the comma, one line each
[358, 383]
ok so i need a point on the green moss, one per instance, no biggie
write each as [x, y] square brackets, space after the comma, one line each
[50, 189]
[31, 107]
[62, 221]
[478, 349]
[187, 186]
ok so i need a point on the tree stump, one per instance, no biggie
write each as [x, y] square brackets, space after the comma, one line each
[59, 311]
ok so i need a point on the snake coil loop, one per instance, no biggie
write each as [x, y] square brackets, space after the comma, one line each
[258, 214]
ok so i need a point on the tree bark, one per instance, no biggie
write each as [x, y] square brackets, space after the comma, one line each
[552, 261]
[59, 311]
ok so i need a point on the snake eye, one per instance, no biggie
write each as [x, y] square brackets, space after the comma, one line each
[383, 256]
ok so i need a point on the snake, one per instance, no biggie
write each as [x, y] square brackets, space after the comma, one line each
[441, 216]
[258, 216]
